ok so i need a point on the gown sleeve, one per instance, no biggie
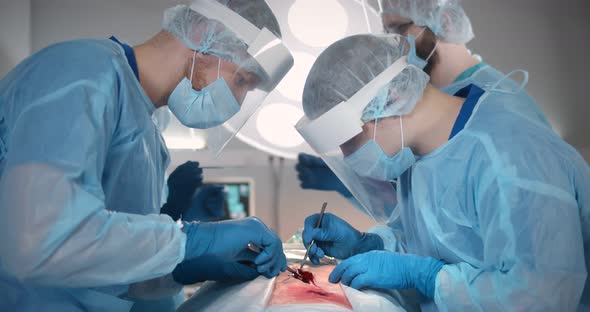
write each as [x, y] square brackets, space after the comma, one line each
[55, 228]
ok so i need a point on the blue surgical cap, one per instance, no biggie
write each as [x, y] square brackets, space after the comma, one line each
[446, 18]
[348, 65]
[210, 36]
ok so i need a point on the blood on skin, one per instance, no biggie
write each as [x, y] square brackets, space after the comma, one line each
[289, 290]
[306, 277]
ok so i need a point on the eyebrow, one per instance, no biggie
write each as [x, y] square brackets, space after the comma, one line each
[397, 20]
[398, 23]
[250, 77]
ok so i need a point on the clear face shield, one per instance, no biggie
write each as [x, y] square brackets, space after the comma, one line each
[267, 62]
[334, 133]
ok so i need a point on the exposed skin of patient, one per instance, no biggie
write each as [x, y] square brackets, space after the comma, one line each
[289, 290]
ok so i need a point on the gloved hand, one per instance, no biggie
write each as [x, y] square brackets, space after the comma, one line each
[336, 238]
[227, 241]
[211, 269]
[182, 184]
[314, 174]
[206, 205]
[388, 270]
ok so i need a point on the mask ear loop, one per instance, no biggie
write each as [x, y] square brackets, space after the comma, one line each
[193, 66]
[218, 67]
[375, 131]
[421, 33]
[433, 50]
[401, 126]
[435, 45]
[187, 90]
[525, 81]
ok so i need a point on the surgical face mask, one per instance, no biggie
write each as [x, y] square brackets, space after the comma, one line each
[208, 108]
[371, 161]
[413, 58]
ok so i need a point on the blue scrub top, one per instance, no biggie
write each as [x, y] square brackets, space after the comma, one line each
[471, 93]
[130, 56]
[470, 71]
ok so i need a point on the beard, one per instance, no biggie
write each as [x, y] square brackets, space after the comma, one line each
[424, 47]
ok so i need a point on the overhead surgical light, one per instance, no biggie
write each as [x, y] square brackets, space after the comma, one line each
[318, 23]
[276, 124]
[292, 85]
[308, 27]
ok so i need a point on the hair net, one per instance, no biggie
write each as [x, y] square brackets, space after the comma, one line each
[348, 65]
[446, 18]
[211, 37]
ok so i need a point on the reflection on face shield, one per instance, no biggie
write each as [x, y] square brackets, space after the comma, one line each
[395, 24]
[243, 82]
[209, 68]
[351, 146]
[389, 86]
[243, 44]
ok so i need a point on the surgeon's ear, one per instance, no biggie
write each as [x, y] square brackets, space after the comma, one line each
[206, 60]
[200, 60]
[204, 71]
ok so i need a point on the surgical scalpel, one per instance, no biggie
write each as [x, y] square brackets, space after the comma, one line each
[313, 241]
[303, 276]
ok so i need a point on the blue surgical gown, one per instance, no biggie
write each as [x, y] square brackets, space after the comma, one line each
[163, 304]
[505, 204]
[487, 77]
[81, 171]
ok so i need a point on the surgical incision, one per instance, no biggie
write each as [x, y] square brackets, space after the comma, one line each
[289, 290]
[305, 276]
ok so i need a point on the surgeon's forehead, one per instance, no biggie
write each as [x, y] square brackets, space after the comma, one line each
[394, 19]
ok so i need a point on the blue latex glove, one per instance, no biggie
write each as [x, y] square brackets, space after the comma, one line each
[182, 184]
[192, 271]
[207, 205]
[388, 270]
[227, 241]
[336, 238]
[314, 174]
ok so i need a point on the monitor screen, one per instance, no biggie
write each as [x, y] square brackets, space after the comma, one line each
[237, 202]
